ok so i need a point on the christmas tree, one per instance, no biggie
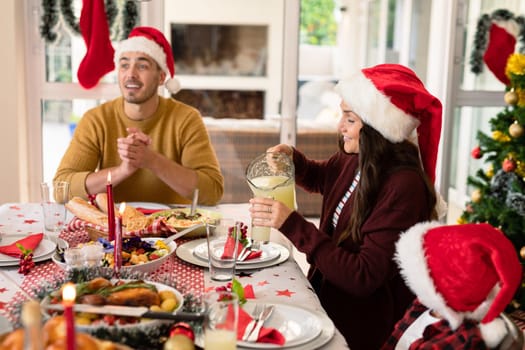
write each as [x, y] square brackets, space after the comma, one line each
[499, 190]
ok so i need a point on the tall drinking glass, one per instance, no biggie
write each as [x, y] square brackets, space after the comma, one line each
[220, 325]
[222, 248]
[271, 175]
[54, 197]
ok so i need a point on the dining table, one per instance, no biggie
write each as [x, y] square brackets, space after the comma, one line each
[281, 282]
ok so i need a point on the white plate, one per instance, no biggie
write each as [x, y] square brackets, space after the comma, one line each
[45, 249]
[148, 205]
[269, 252]
[185, 252]
[297, 325]
[144, 324]
[287, 319]
[150, 266]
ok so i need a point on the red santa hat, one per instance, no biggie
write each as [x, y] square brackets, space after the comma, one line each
[468, 271]
[153, 43]
[391, 99]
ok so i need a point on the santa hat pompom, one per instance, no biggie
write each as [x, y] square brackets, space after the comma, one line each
[173, 85]
[153, 43]
[468, 271]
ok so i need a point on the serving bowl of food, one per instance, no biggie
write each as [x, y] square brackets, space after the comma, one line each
[138, 254]
[181, 218]
[103, 292]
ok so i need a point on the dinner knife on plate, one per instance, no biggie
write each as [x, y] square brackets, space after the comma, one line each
[129, 311]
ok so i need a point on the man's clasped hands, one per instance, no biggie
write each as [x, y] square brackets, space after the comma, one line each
[134, 150]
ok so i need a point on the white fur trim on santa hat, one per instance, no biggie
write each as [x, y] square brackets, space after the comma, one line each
[375, 109]
[144, 45]
[410, 256]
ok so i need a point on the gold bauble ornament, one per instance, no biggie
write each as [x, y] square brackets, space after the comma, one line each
[179, 342]
[476, 196]
[515, 129]
[511, 98]
[522, 252]
[520, 169]
[490, 171]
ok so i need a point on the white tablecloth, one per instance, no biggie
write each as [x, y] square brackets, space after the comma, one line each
[283, 283]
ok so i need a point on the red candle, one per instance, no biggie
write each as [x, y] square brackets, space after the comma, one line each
[117, 250]
[111, 209]
[69, 295]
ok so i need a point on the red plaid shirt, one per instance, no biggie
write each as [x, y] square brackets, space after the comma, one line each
[438, 335]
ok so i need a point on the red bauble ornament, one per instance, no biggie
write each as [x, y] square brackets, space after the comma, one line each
[476, 153]
[184, 329]
[509, 165]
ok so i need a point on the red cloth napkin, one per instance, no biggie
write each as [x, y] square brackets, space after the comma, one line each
[29, 242]
[266, 335]
[230, 245]
[147, 211]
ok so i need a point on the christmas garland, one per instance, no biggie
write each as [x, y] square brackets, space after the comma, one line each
[481, 36]
[51, 14]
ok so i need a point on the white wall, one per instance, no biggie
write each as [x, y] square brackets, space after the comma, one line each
[12, 177]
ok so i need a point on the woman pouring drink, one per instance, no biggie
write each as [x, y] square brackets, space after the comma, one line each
[377, 185]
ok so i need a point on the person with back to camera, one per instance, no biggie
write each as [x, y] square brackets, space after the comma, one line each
[463, 276]
[374, 188]
[157, 149]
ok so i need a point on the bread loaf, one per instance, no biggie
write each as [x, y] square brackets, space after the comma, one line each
[86, 211]
[101, 200]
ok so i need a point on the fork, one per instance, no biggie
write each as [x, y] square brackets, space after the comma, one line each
[263, 316]
[246, 250]
[256, 314]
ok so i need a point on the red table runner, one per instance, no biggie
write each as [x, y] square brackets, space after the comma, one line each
[190, 278]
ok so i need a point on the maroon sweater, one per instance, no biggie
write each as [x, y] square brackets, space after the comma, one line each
[358, 285]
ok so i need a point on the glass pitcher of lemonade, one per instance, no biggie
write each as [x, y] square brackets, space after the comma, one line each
[271, 175]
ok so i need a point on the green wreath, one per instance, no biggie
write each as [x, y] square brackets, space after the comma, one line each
[481, 36]
[52, 12]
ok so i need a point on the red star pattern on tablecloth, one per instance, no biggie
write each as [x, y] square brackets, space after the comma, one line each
[30, 221]
[285, 293]
[3, 290]
[14, 207]
[262, 283]
[20, 215]
[2, 305]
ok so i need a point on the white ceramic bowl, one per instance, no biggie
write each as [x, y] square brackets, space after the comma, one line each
[149, 266]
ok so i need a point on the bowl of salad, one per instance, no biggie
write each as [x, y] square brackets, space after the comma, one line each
[139, 254]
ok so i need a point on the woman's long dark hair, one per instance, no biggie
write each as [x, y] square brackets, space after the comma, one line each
[377, 157]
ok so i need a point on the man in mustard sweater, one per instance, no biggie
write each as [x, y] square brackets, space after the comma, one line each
[157, 149]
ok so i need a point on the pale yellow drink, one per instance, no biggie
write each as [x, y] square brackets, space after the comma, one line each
[220, 339]
[280, 188]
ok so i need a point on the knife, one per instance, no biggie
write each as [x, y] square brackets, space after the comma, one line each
[129, 311]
